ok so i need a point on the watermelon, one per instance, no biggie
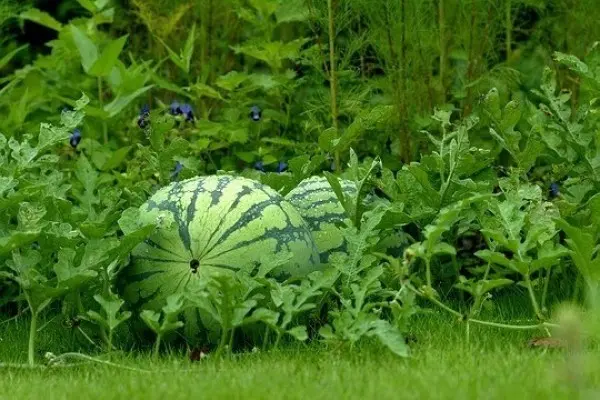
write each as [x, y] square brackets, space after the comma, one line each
[213, 224]
[319, 206]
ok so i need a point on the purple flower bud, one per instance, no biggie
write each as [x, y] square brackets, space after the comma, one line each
[143, 117]
[259, 165]
[176, 170]
[174, 108]
[145, 110]
[554, 189]
[281, 166]
[187, 112]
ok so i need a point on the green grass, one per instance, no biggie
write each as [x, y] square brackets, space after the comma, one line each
[497, 364]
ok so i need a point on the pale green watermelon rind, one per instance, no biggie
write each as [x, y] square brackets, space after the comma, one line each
[321, 209]
[231, 227]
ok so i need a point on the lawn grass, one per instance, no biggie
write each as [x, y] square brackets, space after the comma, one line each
[497, 364]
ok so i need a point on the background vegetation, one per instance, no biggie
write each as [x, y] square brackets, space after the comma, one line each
[473, 123]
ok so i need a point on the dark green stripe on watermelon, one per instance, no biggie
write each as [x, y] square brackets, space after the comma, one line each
[225, 223]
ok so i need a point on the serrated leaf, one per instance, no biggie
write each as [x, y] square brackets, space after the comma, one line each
[391, 337]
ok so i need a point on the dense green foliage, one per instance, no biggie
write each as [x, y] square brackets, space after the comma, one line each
[469, 127]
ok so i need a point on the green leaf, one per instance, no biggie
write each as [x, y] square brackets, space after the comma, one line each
[264, 315]
[111, 305]
[511, 115]
[188, 49]
[107, 60]
[88, 5]
[116, 158]
[30, 216]
[492, 104]
[495, 258]
[574, 63]
[291, 11]
[6, 59]
[42, 18]
[299, 333]
[152, 319]
[16, 240]
[203, 90]
[87, 49]
[444, 248]
[583, 244]
[326, 139]
[391, 337]
[121, 101]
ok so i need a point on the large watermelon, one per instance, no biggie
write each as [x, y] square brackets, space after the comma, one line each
[213, 223]
[319, 206]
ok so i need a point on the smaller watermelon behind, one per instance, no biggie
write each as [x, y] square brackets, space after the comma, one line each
[212, 224]
[319, 206]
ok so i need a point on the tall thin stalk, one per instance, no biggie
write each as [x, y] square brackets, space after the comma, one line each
[32, 332]
[405, 139]
[101, 100]
[333, 77]
[471, 63]
[508, 27]
[442, 39]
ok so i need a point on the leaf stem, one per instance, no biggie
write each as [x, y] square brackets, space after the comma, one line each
[157, 345]
[101, 101]
[534, 303]
[32, 333]
[542, 325]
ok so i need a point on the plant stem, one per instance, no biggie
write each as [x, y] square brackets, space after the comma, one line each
[428, 273]
[266, 338]
[110, 334]
[101, 100]
[508, 27]
[231, 337]
[545, 292]
[222, 342]
[541, 325]
[333, 79]
[515, 327]
[32, 332]
[442, 39]
[534, 303]
[157, 345]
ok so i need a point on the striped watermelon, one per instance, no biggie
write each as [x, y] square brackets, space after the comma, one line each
[208, 224]
[319, 206]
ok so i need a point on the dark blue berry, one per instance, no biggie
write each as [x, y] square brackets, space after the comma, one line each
[75, 138]
[255, 113]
